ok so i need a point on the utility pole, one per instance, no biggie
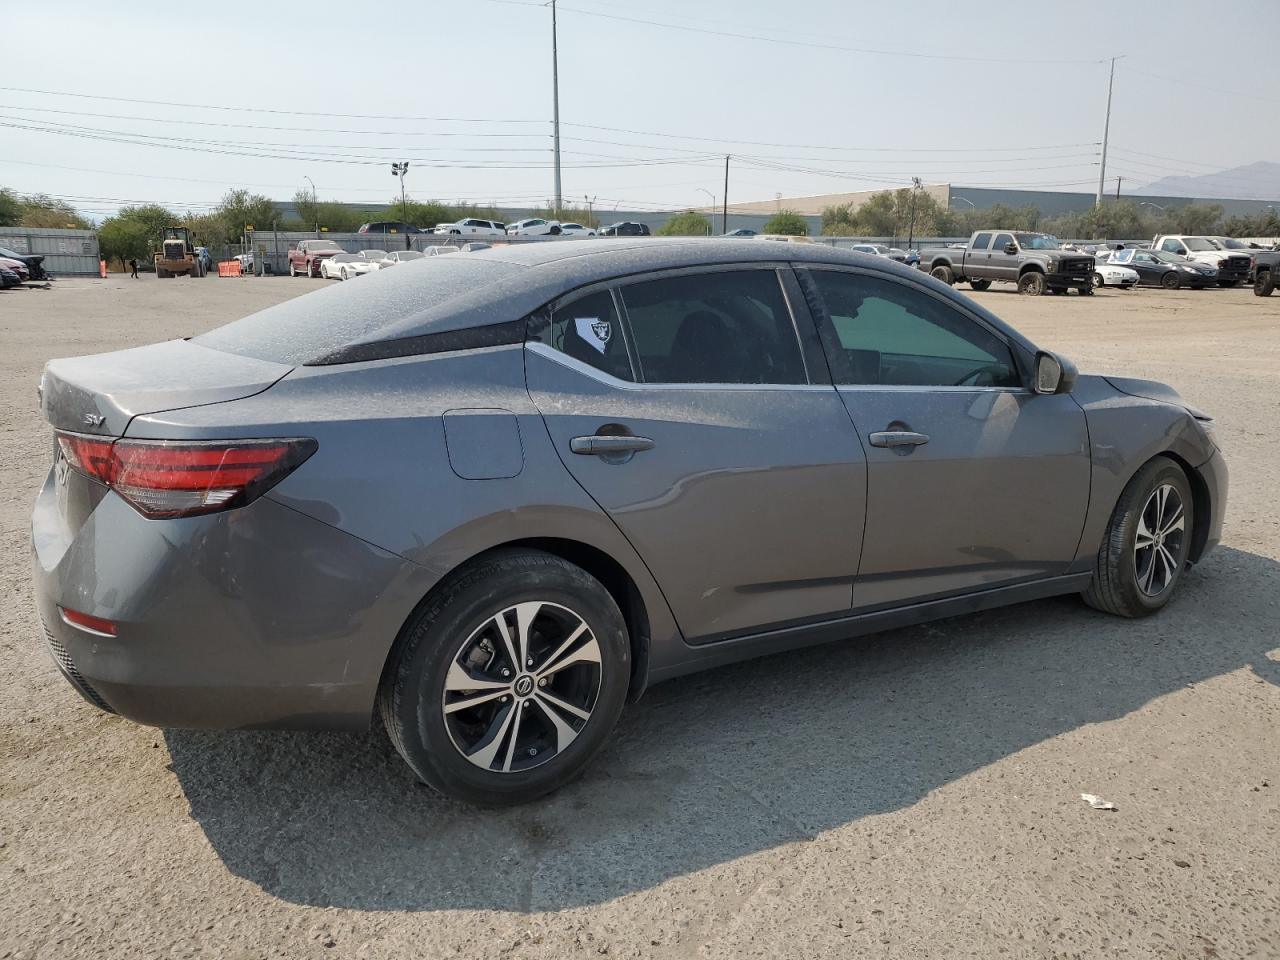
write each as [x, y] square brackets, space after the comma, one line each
[555, 96]
[1118, 179]
[1106, 132]
[724, 210]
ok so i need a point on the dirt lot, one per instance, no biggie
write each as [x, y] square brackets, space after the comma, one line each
[911, 795]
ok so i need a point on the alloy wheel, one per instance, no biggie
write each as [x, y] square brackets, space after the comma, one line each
[522, 687]
[1158, 546]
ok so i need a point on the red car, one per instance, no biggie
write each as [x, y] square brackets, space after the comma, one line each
[16, 266]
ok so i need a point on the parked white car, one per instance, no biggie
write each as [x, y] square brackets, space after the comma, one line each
[575, 230]
[345, 266]
[376, 257]
[400, 256]
[1112, 275]
[246, 262]
[534, 227]
[473, 227]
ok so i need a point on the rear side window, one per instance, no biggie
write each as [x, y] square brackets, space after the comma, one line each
[731, 327]
[891, 334]
[305, 328]
[586, 329]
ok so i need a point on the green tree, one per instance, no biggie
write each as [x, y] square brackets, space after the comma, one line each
[787, 223]
[133, 232]
[687, 224]
[10, 208]
[44, 211]
[239, 209]
[840, 221]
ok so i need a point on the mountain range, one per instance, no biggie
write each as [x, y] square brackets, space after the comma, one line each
[1254, 181]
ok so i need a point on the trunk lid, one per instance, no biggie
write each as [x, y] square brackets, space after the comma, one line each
[100, 394]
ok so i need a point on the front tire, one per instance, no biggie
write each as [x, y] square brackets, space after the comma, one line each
[1263, 283]
[1098, 281]
[508, 680]
[1171, 280]
[1031, 283]
[1146, 544]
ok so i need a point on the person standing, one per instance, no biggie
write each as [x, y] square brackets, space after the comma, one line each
[133, 267]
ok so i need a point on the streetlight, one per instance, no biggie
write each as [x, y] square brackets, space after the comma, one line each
[313, 199]
[713, 206]
[1148, 203]
[399, 170]
[972, 205]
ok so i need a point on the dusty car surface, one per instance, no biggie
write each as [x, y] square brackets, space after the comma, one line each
[487, 499]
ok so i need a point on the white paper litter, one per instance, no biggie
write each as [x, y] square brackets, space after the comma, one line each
[1097, 802]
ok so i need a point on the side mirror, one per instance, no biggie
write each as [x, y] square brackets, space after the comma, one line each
[1011, 248]
[1054, 374]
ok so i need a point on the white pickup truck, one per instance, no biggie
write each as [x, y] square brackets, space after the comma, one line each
[1233, 267]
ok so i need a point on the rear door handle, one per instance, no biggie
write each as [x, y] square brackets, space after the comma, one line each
[601, 444]
[897, 438]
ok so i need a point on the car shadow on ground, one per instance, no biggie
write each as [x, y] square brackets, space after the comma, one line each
[717, 766]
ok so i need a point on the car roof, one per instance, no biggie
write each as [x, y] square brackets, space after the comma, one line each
[482, 288]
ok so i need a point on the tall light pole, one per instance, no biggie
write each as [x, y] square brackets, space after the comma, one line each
[724, 209]
[916, 186]
[972, 205]
[399, 170]
[555, 98]
[1106, 133]
[313, 199]
[1148, 203]
[713, 207]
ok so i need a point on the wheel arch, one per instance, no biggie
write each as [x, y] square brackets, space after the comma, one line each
[1032, 267]
[1201, 502]
[611, 573]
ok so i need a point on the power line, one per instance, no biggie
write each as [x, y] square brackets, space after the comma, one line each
[843, 48]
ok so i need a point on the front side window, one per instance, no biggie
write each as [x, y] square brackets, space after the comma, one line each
[586, 329]
[730, 327]
[981, 242]
[892, 334]
[1172, 246]
[1002, 241]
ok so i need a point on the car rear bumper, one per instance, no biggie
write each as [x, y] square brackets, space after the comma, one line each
[1213, 474]
[256, 617]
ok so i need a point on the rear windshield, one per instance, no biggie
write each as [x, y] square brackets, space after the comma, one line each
[315, 324]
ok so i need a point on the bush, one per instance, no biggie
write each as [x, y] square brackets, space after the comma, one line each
[788, 223]
[687, 224]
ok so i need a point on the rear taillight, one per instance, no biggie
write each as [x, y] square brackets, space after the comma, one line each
[172, 478]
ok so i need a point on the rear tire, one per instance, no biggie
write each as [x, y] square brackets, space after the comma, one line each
[1263, 283]
[1031, 283]
[503, 623]
[1146, 544]
[293, 269]
[944, 274]
[979, 285]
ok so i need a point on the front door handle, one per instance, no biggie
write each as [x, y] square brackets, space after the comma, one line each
[608, 444]
[897, 438]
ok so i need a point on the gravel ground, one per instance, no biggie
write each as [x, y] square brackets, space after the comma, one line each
[915, 794]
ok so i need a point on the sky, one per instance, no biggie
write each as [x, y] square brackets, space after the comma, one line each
[807, 97]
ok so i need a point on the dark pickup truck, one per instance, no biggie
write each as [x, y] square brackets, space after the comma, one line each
[1034, 261]
[1266, 271]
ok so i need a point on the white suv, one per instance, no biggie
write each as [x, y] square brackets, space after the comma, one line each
[575, 230]
[472, 227]
[535, 227]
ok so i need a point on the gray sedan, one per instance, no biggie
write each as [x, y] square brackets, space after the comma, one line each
[488, 499]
